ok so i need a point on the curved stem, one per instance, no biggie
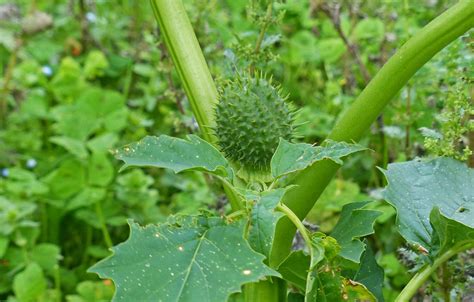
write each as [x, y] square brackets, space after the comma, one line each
[353, 124]
[235, 214]
[419, 278]
[297, 223]
[187, 56]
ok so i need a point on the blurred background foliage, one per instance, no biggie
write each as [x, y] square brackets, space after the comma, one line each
[79, 78]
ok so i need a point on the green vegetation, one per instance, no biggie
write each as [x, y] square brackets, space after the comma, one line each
[248, 150]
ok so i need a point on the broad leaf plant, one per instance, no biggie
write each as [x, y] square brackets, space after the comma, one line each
[245, 254]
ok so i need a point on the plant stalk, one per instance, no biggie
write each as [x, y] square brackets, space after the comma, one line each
[298, 224]
[187, 56]
[261, 35]
[353, 124]
[419, 278]
[274, 290]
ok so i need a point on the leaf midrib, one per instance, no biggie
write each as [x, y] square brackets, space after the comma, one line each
[191, 264]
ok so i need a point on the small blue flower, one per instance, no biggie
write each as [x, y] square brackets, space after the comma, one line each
[5, 172]
[47, 71]
[91, 17]
[31, 163]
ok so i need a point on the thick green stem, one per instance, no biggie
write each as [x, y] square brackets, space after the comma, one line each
[357, 119]
[417, 281]
[187, 56]
[273, 290]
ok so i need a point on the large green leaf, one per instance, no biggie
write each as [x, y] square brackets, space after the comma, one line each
[449, 233]
[182, 260]
[291, 157]
[174, 153]
[354, 222]
[416, 187]
[263, 221]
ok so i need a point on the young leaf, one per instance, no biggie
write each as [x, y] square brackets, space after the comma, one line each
[295, 269]
[321, 248]
[175, 154]
[263, 221]
[415, 187]
[354, 223]
[291, 157]
[101, 171]
[30, 284]
[72, 145]
[327, 286]
[370, 274]
[449, 233]
[355, 291]
[46, 255]
[187, 257]
[330, 286]
[301, 268]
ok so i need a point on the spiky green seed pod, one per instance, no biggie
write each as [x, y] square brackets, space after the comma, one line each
[251, 117]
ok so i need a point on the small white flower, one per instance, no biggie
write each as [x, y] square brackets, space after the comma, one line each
[47, 71]
[91, 17]
[5, 172]
[31, 163]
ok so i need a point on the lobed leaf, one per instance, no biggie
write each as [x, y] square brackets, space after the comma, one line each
[354, 222]
[290, 157]
[175, 154]
[321, 280]
[185, 258]
[416, 187]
